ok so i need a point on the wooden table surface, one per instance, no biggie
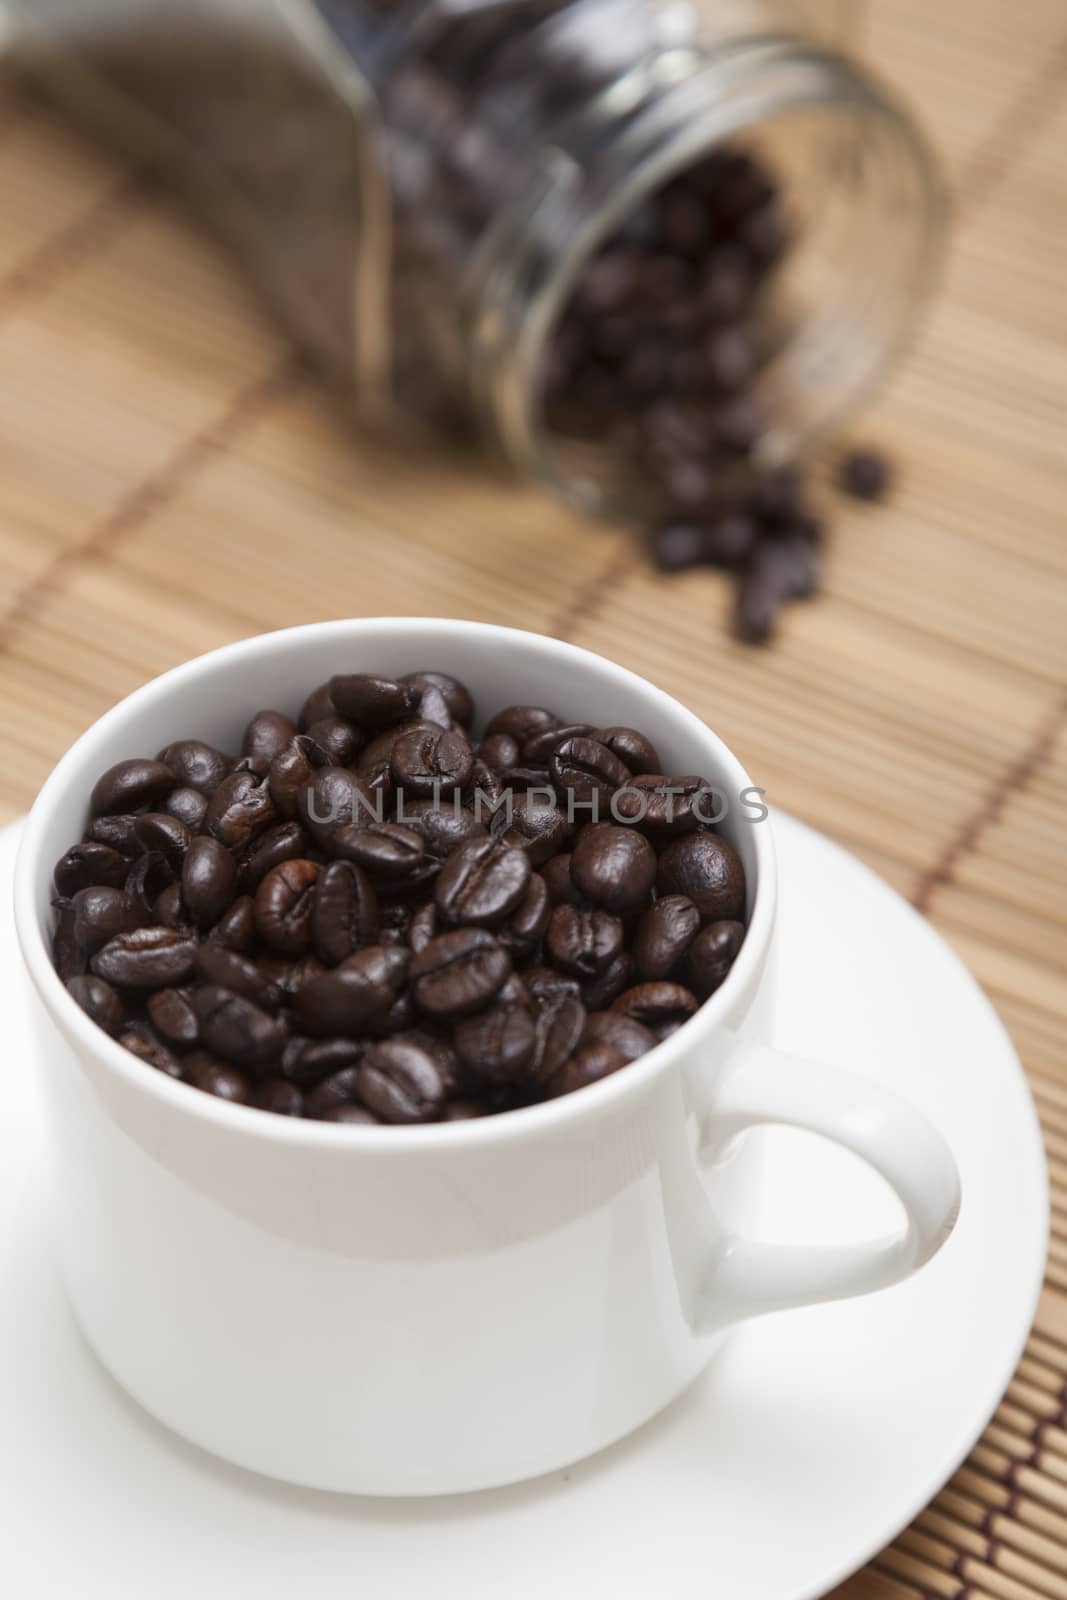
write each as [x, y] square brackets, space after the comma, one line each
[170, 481]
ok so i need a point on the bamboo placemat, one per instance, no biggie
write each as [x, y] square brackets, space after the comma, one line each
[169, 480]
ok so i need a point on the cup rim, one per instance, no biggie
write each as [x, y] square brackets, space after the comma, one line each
[593, 1100]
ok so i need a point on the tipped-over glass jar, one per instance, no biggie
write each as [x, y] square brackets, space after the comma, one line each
[422, 188]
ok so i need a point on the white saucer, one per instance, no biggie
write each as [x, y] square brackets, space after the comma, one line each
[811, 1442]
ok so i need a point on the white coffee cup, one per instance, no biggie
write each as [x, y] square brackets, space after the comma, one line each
[420, 1310]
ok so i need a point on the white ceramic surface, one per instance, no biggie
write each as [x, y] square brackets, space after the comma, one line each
[449, 1307]
[809, 1442]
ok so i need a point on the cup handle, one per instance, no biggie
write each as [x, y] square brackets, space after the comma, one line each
[760, 1086]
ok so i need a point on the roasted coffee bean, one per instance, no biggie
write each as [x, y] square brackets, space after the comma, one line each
[166, 835]
[88, 866]
[69, 956]
[706, 869]
[235, 1028]
[339, 1089]
[286, 841]
[196, 765]
[637, 753]
[378, 753]
[338, 740]
[236, 928]
[227, 969]
[522, 722]
[335, 798]
[463, 1111]
[521, 779]
[170, 910]
[536, 825]
[663, 936]
[459, 972]
[373, 702]
[318, 705]
[291, 772]
[275, 1094]
[482, 883]
[99, 1001]
[539, 750]
[358, 1116]
[394, 919]
[290, 976]
[219, 1078]
[431, 763]
[499, 1046]
[307, 1061]
[209, 877]
[441, 827]
[600, 992]
[664, 807]
[344, 999]
[456, 695]
[284, 905]
[623, 1033]
[560, 1022]
[528, 923]
[147, 958]
[146, 880]
[101, 913]
[545, 985]
[589, 771]
[240, 808]
[140, 1040]
[387, 852]
[559, 883]
[401, 1080]
[661, 1007]
[345, 915]
[424, 925]
[267, 735]
[173, 1015]
[499, 751]
[583, 942]
[678, 543]
[400, 1018]
[711, 955]
[864, 474]
[188, 805]
[129, 785]
[589, 1064]
[614, 867]
[119, 833]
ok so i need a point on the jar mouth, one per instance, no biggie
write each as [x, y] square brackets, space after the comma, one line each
[871, 236]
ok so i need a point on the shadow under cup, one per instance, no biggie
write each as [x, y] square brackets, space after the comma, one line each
[403, 1310]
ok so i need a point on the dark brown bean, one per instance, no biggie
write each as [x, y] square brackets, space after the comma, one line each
[267, 734]
[601, 991]
[235, 1028]
[188, 805]
[528, 923]
[236, 928]
[559, 883]
[139, 1039]
[286, 841]
[583, 942]
[539, 750]
[359, 1116]
[482, 883]
[401, 1080]
[146, 880]
[166, 835]
[388, 853]
[499, 1046]
[70, 958]
[128, 785]
[707, 869]
[590, 772]
[614, 867]
[371, 701]
[209, 877]
[345, 916]
[170, 909]
[88, 866]
[307, 1061]
[344, 999]
[338, 740]
[522, 722]
[456, 695]
[334, 799]
[220, 1079]
[292, 771]
[560, 1022]
[637, 753]
[589, 1064]
[441, 827]
[173, 1015]
[284, 1099]
[624, 1033]
[663, 935]
[147, 958]
[663, 807]
[99, 1001]
[319, 704]
[341, 1088]
[431, 762]
[284, 905]
[459, 972]
[463, 1111]
[661, 1007]
[499, 752]
[100, 913]
[227, 969]
[536, 825]
[240, 808]
[196, 765]
[120, 833]
[711, 955]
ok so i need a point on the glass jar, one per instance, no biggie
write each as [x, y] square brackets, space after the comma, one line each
[419, 186]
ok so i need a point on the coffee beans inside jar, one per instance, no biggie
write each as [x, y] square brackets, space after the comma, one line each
[372, 915]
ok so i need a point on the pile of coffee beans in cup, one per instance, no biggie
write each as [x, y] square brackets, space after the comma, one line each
[658, 355]
[372, 916]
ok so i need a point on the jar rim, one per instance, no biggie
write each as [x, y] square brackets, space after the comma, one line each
[518, 293]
